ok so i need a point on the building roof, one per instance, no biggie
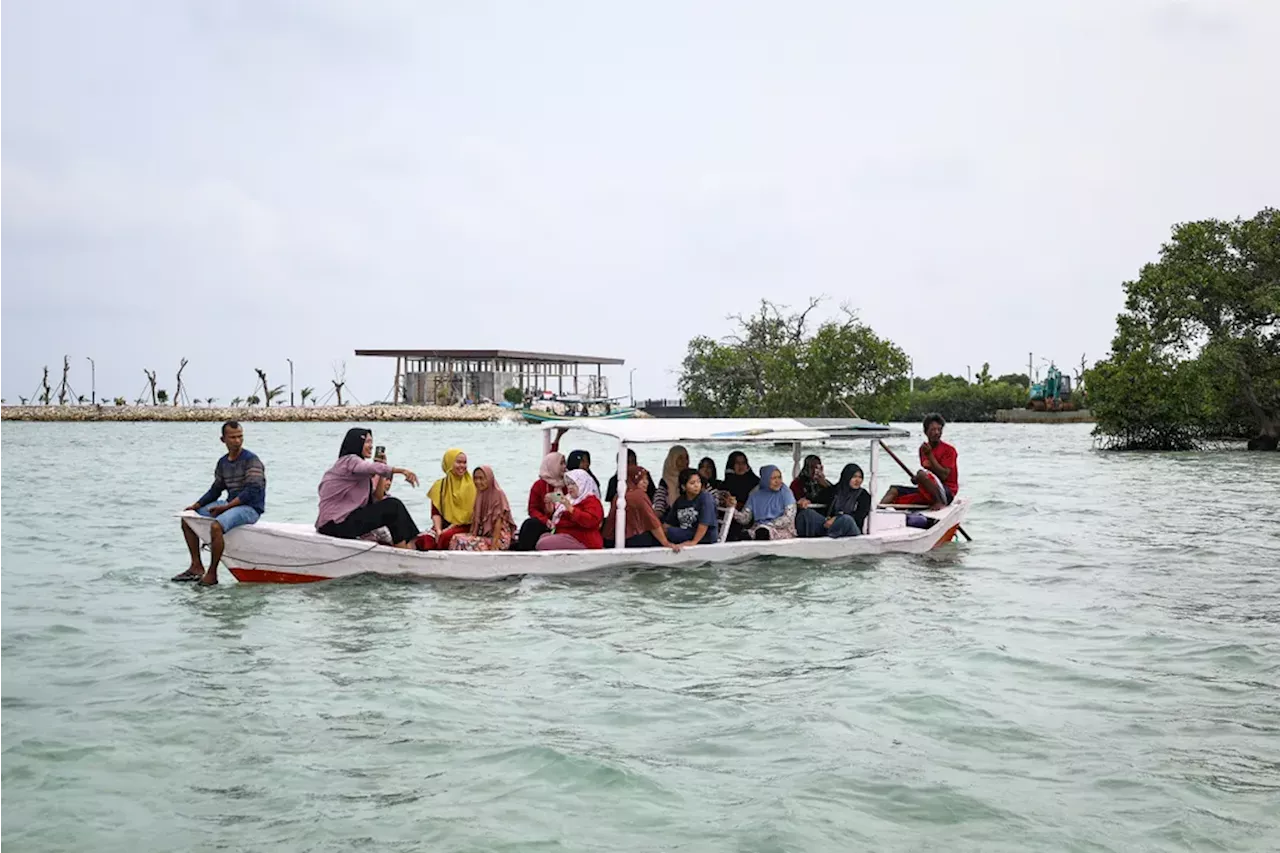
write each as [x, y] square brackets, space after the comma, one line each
[510, 355]
[731, 430]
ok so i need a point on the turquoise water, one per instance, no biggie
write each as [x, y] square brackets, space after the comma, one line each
[1094, 672]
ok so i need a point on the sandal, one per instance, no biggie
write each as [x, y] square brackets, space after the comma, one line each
[188, 575]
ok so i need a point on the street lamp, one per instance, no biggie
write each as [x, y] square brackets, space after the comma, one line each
[290, 381]
[631, 386]
[93, 380]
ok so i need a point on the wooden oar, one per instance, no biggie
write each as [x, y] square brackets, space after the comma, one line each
[912, 474]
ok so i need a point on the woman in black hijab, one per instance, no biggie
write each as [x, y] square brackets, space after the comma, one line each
[850, 506]
[739, 479]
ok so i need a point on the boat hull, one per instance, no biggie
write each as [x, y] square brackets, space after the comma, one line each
[272, 552]
[535, 417]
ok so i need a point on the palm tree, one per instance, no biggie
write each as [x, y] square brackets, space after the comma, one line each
[196, 401]
[82, 399]
[211, 401]
[307, 392]
[236, 401]
[22, 400]
[120, 401]
[272, 393]
[253, 400]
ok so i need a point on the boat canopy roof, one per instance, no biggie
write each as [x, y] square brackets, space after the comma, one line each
[731, 430]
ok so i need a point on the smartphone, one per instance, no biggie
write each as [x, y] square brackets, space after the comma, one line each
[380, 452]
[556, 496]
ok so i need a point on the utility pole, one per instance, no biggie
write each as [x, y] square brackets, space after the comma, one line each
[631, 385]
[969, 373]
[911, 370]
[290, 381]
[93, 381]
[1029, 362]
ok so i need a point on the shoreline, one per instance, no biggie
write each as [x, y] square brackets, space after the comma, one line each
[258, 414]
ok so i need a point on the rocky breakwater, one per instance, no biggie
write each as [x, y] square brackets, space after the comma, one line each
[258, 414]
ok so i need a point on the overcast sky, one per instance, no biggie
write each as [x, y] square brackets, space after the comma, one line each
[245, 182]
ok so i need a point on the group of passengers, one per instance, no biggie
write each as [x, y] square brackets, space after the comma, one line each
[471, 512]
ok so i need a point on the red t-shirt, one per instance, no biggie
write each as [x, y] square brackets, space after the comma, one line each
[945, 455]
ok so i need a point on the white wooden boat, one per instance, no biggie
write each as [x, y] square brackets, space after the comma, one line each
[275, 552]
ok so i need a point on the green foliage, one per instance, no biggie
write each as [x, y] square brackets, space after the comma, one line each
[1197, 348]
[162, 395]
[514, 396]
[306, 393]
[236, 401]
[252, 400]
[958, 400]
[1020, 379]
[775, 366]
[119, 401]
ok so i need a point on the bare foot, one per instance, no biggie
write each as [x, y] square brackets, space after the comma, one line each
[209, 579]
[192, 574]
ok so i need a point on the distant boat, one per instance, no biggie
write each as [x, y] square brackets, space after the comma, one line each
[577, 408]
[534, 416]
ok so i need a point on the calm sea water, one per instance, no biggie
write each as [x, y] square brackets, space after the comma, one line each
[1097, 671]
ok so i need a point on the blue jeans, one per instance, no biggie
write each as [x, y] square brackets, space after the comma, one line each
[233, 517]
[844, 525]
[809, 523]
[678, 535]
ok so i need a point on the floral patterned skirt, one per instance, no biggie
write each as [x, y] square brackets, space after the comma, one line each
[471, 542]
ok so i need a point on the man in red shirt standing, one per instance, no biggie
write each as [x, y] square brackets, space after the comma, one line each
[938, 480]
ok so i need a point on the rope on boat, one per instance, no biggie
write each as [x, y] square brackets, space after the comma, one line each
[227, 554]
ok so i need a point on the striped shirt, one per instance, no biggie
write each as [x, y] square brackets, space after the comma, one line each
[244, 477]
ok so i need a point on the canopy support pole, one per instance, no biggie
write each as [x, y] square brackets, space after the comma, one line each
[620, 510]
[875, 489]
[795, 459]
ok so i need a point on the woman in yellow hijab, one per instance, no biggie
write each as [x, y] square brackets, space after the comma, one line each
[453, 497]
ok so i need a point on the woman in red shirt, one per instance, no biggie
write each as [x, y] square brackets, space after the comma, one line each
[575, 523]
[550, 479]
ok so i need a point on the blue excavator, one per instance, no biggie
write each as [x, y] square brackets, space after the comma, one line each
[1053, 394]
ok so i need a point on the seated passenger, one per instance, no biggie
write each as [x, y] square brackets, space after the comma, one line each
[580, 460]
[691, 519]
[346, 491]
[575, 524]
[611, 493]
[543, 499]
[381, 485]
[712, 485]
[848, 510]
[453, 497]
[739, 480]
[937, 482]
[642, 527]
[669, 489]
[813, 492]
[492, 527]
[770, 512]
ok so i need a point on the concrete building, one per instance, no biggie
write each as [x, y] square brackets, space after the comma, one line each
[444, 377]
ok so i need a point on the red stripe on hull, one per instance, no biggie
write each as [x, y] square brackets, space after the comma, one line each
[947, 537]
[268, 576]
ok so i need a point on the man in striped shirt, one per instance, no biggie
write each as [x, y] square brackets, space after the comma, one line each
[243, 477]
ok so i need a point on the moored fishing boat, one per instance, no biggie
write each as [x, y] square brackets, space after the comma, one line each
[275, 552]
[534, 416]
